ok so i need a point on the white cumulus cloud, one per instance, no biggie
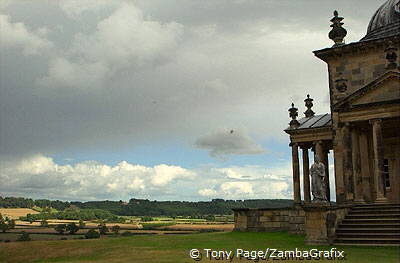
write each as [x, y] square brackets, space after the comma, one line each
[85, 180]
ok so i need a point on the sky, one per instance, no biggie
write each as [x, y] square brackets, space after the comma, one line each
[155, 99]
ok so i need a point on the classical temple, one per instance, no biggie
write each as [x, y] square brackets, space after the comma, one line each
[361, 131]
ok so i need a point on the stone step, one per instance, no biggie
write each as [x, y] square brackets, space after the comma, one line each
[371, 216]
[375, 211]
[376, 206]
[366, 244]
[367, 230]
[370, 220]
[367, 225]
[368, 235]
[367, 240]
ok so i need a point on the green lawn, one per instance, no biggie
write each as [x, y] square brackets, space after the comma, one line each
[175, 248]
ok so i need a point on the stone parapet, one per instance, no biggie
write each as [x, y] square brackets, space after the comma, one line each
[270, 219]
[322, 221]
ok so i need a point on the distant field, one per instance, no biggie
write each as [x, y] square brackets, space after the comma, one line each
[15, 213]
[198, 227]
[175, 248]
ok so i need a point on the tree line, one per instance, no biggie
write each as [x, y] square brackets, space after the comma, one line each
[145, 207]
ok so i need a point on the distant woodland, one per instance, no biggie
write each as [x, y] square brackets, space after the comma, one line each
[144, 207]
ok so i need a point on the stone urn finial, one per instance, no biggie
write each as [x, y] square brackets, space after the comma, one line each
[309, 103]
[293, 114]
[338, 33]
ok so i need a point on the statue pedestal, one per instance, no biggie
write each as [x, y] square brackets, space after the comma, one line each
[321, 222]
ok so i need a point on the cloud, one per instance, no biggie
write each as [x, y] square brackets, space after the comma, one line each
[17, 35]
[75, 8]
[123, 40]
[237, 188]
[207, 192]
[164, 174]
[40, 175]
[228, 142]
[244, 182]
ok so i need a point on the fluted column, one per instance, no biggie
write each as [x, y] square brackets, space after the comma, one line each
[306, 175]
[377, 141]
[296, 173]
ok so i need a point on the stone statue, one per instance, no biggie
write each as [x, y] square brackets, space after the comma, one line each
[318, 188]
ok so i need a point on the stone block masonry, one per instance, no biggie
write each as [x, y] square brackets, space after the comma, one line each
[291, 219]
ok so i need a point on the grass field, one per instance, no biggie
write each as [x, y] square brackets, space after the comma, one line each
[15, 213]
[174, 248]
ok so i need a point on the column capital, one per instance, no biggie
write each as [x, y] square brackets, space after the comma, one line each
[375, 121]
[295, 144]
[318, 142]
[304, 146]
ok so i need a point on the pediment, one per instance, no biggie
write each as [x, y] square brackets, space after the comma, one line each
[385, 89]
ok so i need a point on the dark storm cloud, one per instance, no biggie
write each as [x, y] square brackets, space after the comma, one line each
[228, 142]
[105, 74]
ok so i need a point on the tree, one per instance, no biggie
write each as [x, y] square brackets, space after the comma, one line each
[103, 229]
[24, 237]
[72, 228]
[92, 234]
[44, 223]
[30, 218]
[4, 226]
[60, 228]
[11, 223]
[81, 223]
[115, 229]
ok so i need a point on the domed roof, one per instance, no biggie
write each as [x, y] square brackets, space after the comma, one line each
[385, 22]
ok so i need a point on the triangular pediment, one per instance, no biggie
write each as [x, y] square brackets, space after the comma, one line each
[384, 89]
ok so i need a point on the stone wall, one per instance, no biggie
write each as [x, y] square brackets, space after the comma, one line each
[270, 219]
[297, 219]
[322, 221]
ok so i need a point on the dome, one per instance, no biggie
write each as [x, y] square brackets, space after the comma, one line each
[385, 22]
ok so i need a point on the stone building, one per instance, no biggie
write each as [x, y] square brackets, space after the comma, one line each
[362, 131]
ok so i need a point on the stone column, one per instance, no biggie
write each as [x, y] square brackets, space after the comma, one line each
[366, 171]
[377, 141]
[348, 163]
[306, 176]
[296, 173]
[323, 156]
[325, 161]
[356, 157]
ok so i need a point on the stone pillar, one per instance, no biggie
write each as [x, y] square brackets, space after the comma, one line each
[366, 171]
[348, 163]
[321, 222]
[296, 173]
[306, 176]
[323, 156]
[356, 157]
[325, 161]
[377, 141]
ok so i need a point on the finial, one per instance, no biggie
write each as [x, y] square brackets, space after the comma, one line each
[341, 83]
[293, 114]
[391, 56]
[337, 33]
[309, 112]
